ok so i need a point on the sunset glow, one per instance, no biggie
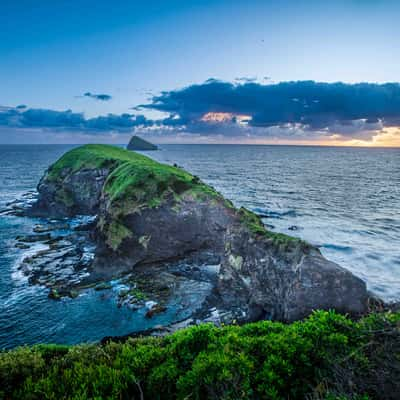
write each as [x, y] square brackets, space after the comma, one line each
[224, 117]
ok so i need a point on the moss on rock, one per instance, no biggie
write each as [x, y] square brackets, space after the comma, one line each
[256, 226]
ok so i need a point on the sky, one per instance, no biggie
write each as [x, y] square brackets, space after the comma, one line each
[281, 72]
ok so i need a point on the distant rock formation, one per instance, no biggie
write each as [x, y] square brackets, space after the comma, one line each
[150, 213]
[138, 144]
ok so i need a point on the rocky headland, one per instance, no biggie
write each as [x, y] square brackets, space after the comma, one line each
[166, 234]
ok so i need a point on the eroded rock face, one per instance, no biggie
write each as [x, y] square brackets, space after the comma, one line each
[168, 232]
[261, 279]
[71, 194]
[262, 275]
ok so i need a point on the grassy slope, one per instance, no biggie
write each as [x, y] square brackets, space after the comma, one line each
[92, 156]
[130, 171]
[326, 356]
[138, 182]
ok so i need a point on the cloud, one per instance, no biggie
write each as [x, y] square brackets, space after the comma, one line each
[246, 79]
[244, 110]
[348, 109]
[101, 97]
[69, 121]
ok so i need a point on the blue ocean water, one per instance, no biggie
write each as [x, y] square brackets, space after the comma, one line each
[344, 200]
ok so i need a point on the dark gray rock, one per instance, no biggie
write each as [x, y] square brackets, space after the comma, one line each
[71, 194]
[261, 280]
[34, 238]
[138, 144]
[50, 228]
[165, 233]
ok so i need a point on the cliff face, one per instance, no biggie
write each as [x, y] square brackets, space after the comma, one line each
[72, 193]
[149, 213]
[283, 280]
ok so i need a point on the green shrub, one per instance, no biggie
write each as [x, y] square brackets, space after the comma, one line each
[325, 357]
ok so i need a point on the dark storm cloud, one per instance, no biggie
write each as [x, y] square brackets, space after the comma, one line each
[313, 105]
[49, 118]
[101, 97]
[120, 123]
[69, 121]
[304, 109]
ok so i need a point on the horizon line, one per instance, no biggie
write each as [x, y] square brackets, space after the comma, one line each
[209, 144]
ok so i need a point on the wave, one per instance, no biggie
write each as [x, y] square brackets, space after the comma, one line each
[337, 247]
[264, 213]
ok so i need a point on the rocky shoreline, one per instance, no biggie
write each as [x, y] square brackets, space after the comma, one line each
[166, 236]
[62, 260]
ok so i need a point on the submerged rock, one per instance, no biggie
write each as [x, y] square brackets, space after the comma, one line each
[150, 214]
[138, 144]
[54, 294]
[103, 286]
[33, 238]
[21, 246]
[50, 228]
[156, 309]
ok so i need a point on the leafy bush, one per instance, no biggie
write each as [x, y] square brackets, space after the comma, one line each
[326, 356]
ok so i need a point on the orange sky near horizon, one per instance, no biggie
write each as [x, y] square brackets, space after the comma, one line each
[380, 140]
[388, 137]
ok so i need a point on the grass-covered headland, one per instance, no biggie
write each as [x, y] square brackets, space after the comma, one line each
[326, 356]
[136, 182]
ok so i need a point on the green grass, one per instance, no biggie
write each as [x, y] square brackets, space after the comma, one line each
[256, 226]
[93, 156]
[133, 177]
[326, 356]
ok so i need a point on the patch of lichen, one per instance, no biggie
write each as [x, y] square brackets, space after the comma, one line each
[65, 197]
[255, 225]
[117, 232]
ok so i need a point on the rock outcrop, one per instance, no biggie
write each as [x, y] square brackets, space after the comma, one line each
[151, 214]
[138, 144]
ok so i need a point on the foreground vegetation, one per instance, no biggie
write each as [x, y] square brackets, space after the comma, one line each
[326, 356]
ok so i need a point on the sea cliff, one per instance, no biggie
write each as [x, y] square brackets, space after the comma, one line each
[149, 215]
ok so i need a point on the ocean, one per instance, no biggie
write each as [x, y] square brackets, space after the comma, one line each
[346, 201]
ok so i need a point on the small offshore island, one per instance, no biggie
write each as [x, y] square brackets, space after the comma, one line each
[138, 144]
[168, 236]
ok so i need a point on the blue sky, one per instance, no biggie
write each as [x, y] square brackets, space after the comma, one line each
[54, 52]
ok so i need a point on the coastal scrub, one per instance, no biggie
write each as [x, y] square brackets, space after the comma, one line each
[326, 356]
